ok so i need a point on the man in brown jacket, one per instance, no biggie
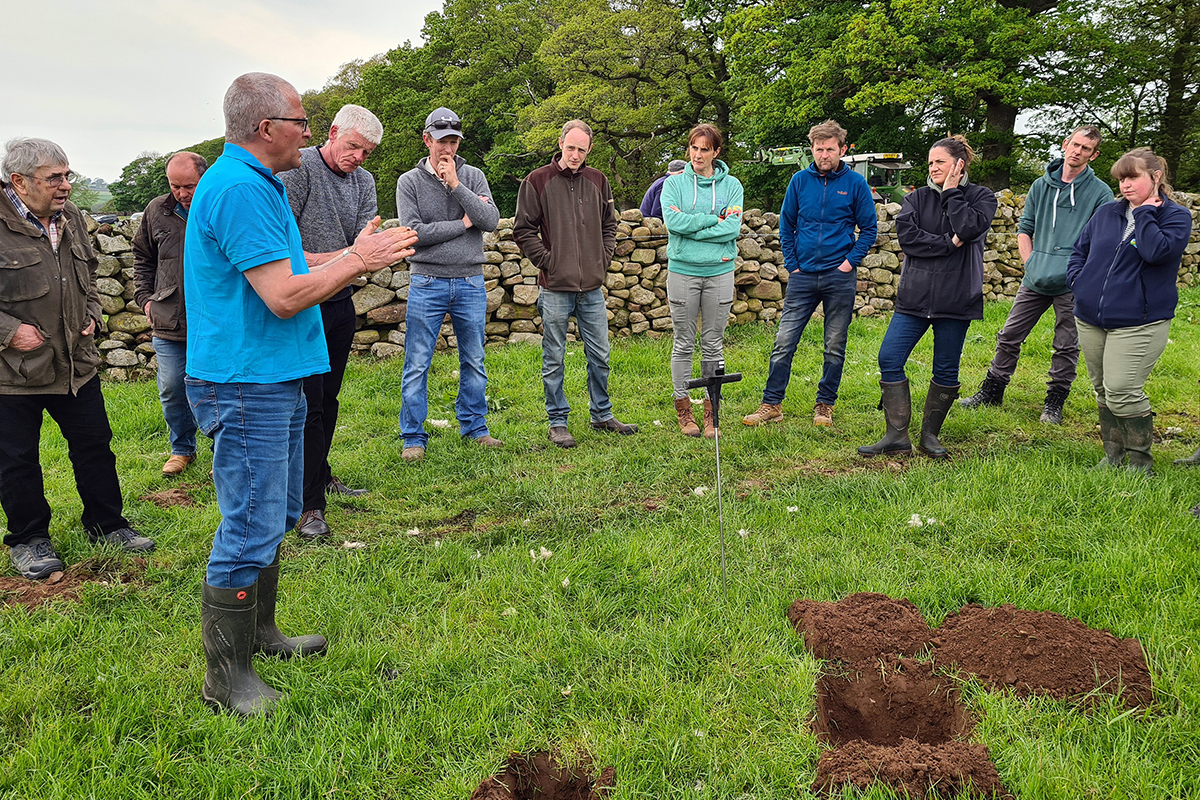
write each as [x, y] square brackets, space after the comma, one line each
[566, 225]
[49, 311]
[158, 291]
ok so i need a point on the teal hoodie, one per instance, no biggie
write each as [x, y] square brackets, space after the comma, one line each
[1054, 216]
[704, 231]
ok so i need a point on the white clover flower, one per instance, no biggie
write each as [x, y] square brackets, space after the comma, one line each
[566, 583]
[477, 555]
[793, 509]
[414, 532]
[915, 521]
[700, 491]
[439, 423]
[657, 423]
[509, 612]
[743, 533]
[454, 374]
[566, 691]
[437, 542]
[353, 545]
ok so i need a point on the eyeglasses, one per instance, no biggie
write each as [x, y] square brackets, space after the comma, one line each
[301, 121]
[54, 181]
[446, 125]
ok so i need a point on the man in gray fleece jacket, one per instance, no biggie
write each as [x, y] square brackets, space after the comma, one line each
[449, 204]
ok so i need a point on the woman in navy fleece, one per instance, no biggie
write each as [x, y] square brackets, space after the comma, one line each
[1122, 272]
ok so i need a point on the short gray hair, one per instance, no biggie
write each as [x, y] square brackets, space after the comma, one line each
[199, 162]
[24, 155]
[251, 98]
[576, 124]
[357, 118]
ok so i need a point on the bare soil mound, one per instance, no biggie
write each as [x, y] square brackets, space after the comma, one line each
[1042, 653]
[68, 584]
[175, 496]
[882, 701]
[912, 768]
[539, 776]
[863, 625]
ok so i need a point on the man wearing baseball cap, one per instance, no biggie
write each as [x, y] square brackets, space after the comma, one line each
[449, 204]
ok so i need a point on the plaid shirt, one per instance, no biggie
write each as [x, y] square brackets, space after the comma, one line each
[23, 210]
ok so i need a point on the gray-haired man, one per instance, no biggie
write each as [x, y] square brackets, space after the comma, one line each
[49, 311]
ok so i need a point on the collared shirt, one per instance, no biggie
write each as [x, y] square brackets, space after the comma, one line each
[180, 210]
[23, 210]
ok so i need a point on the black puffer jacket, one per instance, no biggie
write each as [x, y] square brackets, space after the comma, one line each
[939, 279]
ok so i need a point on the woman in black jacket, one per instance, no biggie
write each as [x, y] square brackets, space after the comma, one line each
[1122, 272]
[942, 228]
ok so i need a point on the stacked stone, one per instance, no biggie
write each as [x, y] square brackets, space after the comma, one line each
[634, 287]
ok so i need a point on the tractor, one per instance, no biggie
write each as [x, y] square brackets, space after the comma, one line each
[884, 171]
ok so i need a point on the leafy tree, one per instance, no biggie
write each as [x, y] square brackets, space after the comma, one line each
[142, 180]
[83, 195]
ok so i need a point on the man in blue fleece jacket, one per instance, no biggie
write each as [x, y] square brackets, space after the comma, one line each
[1057, 207]
[823, 205]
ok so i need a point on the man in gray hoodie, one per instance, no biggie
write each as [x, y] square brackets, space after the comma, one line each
[449, 204]
[1057, 207]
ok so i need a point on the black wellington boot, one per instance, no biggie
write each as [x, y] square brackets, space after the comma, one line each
[227, 618]
[897, 413]
[268, 640]
[1189, 461]
[1113, 438]
[1139, 436]
[937, 406]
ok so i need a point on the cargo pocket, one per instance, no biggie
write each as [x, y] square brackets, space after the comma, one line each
[166, 316]
[21, 275]
[27, 367]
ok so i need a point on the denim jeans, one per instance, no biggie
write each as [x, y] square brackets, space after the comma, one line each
[181, 425]
[835, 290]
[903, 333]
[691, 298]
[591, 320]
[84, 424]
[258, 470]
[429, 300]
[321, 395]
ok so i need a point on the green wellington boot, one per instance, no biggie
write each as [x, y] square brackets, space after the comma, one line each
[1139, 436]
[937, 406]
[267, 639]
[1113, 439]
[896, 403]
[228, 618]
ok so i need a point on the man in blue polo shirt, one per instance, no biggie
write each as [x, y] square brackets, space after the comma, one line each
[254, 334]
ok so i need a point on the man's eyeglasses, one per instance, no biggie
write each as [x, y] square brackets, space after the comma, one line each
[301, 121]
[446, 125]
[54, 181]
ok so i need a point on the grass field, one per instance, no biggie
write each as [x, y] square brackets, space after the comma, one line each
[451, 648]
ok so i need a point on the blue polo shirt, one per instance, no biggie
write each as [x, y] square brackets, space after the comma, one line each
[240, 219]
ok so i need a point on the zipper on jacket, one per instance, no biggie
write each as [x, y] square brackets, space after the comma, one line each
[1104, 286]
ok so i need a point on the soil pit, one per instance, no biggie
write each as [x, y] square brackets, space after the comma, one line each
[912, 768]
[175, 496]
[882, 701]
[539, 776]
[67, 585]
[1042, 653]
[860, 626]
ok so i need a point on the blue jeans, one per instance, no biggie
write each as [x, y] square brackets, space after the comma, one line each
[905, 331]
[258, 470]
[181, 425]
[429, 300]
[591, 320]
[835, 290]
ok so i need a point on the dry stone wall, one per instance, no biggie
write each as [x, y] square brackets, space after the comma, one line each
[635, 287]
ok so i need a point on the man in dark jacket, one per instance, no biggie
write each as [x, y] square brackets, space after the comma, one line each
[49, 312]
[1057, 207]
[821, 209]
[158, 291]
[652, 202]
[566, 225]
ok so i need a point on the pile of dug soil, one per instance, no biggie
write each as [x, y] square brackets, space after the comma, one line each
[860, 626]
[67, 585]
[539, 776]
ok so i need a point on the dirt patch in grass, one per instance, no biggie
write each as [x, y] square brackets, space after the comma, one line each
[540, 776]
[175, 496]
[1042, 653]
[67, 585]
[897, 721]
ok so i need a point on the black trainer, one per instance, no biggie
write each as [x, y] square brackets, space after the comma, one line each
[35, 559]
[125, 538]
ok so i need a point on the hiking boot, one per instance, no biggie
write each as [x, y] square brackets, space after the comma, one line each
[766, 413]
[614, 425]
[558, 435]
[991, 393]
[177, 464]
[267, 638]
[1113, 439]
[687, 423]
[312, 526]
[125, 538]
[937, 406]
[896, 403]
[1139, 436]
[823, 415]
[487, 441]
[228, 620]
[335, 486]
[35, 559]
[710, 424]
[414, 453]
[1052, 410]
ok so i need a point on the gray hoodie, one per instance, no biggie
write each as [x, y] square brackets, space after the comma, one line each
[446, 248]
[1054, 215]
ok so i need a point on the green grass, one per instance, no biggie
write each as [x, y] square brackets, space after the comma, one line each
[431, 681]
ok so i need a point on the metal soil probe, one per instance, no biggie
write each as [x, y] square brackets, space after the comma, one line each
[712, 377]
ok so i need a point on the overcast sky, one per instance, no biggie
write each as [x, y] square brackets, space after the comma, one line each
[108, 79]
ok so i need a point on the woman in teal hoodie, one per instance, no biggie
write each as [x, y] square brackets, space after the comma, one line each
[702, 209]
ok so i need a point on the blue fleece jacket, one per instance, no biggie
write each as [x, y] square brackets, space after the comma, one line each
[816, 224]
[1120, 279]
[705, 222]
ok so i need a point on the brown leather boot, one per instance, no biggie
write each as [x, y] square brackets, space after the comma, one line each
[710, 430]
[687, 423]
